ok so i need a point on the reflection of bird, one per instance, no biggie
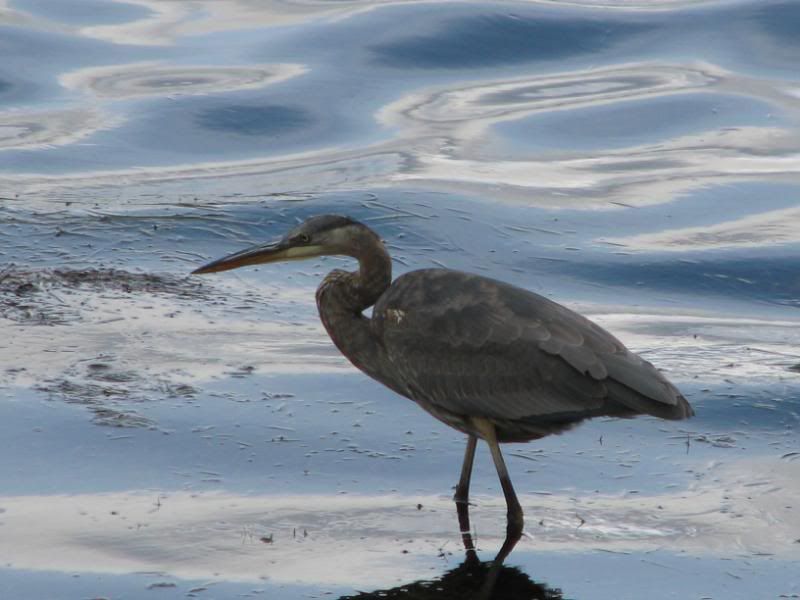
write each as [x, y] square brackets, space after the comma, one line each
[492, 360]
[460, 584]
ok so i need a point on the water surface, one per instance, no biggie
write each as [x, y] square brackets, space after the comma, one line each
[201, 437]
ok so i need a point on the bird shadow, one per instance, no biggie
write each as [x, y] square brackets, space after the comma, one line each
[468, 581]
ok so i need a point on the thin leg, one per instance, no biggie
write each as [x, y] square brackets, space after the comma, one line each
[461, 496]
[515, 518]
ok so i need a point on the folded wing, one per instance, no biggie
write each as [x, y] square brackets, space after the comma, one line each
[474, 346]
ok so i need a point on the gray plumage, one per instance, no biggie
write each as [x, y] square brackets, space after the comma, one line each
[461, 344]
[495, 361]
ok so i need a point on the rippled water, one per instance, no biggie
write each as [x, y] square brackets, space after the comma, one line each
[173, 436]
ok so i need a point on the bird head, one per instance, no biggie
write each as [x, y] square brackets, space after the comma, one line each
[318, 236]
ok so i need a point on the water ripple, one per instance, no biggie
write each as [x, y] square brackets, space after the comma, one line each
[764, 229]
[514, 98]
[23, 129]
[445, 137]
[502, 39]
[92, 532]
[153, 79]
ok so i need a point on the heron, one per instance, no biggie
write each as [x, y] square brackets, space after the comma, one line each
[494, 361]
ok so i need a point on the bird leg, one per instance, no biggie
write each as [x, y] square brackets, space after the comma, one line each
[515, 518]
[514, 515]
[461, 497]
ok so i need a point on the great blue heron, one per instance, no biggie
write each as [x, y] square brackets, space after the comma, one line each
[492, 360]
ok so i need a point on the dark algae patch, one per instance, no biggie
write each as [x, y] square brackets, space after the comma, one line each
[35, 296]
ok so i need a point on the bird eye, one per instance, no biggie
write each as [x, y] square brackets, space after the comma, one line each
[301, 238]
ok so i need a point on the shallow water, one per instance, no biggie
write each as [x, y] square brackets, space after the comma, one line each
[177, 436]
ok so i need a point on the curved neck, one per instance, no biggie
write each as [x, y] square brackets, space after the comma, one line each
[373, 277]
[342, 297]
[352, 293]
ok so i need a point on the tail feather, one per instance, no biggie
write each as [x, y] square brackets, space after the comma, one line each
[639, 403]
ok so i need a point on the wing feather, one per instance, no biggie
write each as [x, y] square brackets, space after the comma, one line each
[474, 346]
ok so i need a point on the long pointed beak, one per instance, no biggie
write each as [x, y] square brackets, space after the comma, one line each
[264, 253]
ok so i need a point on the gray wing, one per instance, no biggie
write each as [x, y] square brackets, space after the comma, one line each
[474, 346]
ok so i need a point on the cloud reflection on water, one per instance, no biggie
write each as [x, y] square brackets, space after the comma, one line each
[10, 16]
[764, 229]
[35, 130]
[447, 138]
[273, 328]
[148, 331]
[154, 79]
[170, 21]
[358, 541]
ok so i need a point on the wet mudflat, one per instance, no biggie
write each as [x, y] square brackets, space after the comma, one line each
[176, 436]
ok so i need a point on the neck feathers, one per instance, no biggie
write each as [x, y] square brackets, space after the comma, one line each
[341, 299]
[374, 273]
[343, 292]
